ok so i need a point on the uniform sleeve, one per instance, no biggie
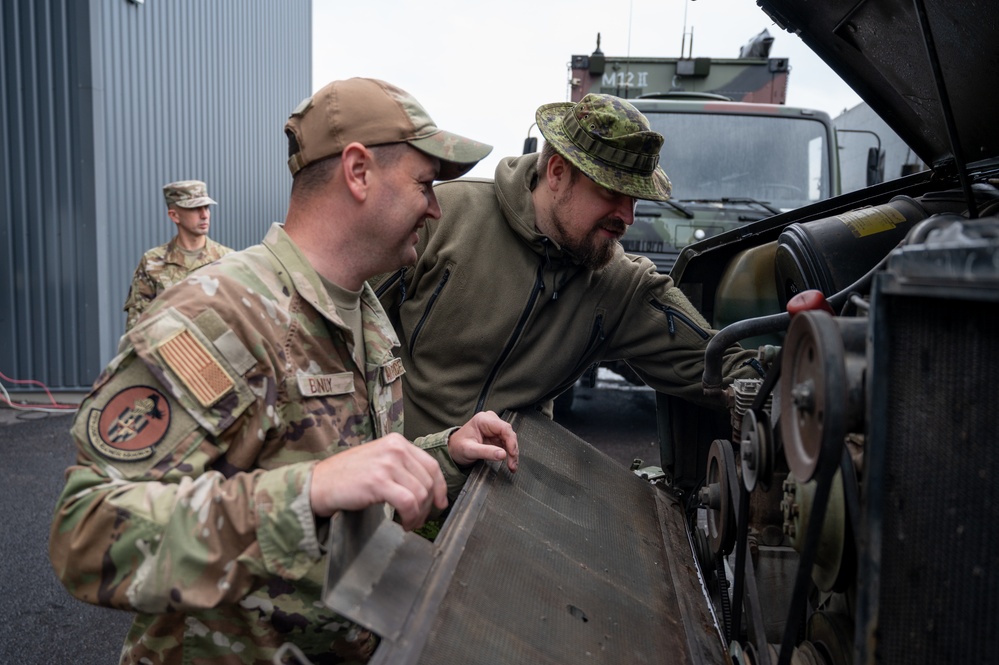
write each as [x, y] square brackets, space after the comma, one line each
[436, 446]
[663, 338]
[153, 518]
[141, 292]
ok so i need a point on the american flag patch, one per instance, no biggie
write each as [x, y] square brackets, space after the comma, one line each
[196, 367]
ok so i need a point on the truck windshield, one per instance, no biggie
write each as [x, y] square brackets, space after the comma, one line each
[781, 160]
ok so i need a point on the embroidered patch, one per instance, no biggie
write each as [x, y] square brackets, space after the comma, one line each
[312, 385]
[392, 370]
[196, 367]
[131, 424]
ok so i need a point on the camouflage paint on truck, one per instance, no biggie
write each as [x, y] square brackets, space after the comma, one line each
[734, 152]
[759, 80]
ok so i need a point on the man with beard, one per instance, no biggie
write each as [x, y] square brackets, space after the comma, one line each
[522, 283]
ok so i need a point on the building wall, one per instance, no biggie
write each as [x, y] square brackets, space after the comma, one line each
[103, 102]
[854, 146]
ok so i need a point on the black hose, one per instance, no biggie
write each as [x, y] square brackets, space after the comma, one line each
[729, 335]
[735, 332]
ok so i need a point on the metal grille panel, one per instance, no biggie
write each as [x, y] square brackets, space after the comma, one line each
[569, 563]
[940, 544]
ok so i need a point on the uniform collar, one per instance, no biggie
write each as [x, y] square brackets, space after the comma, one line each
[175, 255]
[309, 285]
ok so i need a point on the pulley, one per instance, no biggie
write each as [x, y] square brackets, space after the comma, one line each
[833, 633]
[756, 451]
[717, 498]
[813, 391]
[797, 508]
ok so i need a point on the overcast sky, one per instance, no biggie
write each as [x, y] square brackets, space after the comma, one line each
[481, 69]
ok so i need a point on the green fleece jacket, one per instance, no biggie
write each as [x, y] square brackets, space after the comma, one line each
[494, 315]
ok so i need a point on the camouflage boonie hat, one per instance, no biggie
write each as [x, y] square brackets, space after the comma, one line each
[610, 141]
[187, 194]
[373, 112]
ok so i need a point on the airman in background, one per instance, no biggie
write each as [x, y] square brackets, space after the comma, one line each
[163, 266]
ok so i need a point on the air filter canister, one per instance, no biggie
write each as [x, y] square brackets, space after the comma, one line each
[830, 254]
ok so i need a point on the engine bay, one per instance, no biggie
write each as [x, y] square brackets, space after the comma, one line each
[847, 514]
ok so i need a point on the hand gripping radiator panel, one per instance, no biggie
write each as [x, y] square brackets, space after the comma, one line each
[572, 559]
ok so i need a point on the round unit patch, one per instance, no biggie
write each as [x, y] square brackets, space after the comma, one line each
[131, 424]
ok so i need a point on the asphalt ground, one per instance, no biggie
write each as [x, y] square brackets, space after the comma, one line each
[41, 623]
[616, 417]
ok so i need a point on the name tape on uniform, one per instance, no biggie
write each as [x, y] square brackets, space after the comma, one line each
[315, 385]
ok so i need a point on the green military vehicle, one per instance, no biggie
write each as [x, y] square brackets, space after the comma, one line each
[730, 163]
[734, 151]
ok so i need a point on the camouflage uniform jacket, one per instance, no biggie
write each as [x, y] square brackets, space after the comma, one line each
[526, 321]
[162, 267]
[189, 502]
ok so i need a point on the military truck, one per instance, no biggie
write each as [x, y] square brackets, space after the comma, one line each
[733, 150]
[752, 77]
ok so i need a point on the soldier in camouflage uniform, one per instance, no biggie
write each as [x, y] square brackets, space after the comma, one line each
[188, 207]
[233, 424]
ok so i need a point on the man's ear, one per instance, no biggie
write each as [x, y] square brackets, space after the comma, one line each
[557, 172]
[172, 214]
[356, 162]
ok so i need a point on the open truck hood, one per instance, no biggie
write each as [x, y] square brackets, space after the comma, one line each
[878, 49]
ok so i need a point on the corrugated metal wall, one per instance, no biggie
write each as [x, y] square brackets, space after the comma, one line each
[103, 102]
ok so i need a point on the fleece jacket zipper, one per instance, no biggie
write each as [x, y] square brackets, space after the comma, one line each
[426, 313]
[398, 276]
[673, 315]
[539, 286]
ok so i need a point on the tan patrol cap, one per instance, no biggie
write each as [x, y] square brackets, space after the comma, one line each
[373, 112]
[187, 194]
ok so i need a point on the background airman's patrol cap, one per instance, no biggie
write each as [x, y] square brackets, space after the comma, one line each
[373, 112]
[187, 194]
[610, 141]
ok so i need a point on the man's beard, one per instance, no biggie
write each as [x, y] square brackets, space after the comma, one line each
[591, 251]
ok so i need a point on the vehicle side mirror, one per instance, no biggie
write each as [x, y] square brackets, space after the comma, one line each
[875, 166]
[530, 145]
